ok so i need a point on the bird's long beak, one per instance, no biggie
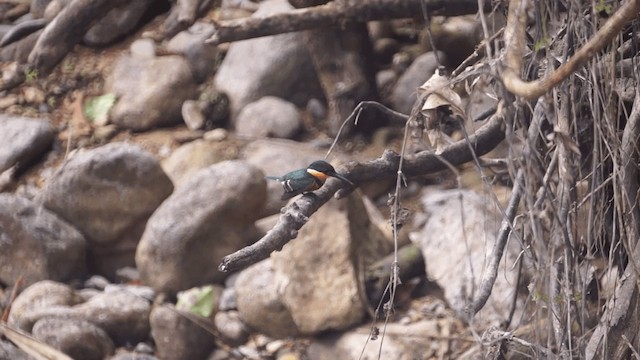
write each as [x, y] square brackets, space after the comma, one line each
[336, 175]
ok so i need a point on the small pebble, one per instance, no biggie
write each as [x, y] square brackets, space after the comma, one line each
[216, 134]
[96, 282]
[144, 348]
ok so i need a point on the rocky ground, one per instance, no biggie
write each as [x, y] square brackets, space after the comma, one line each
[111, 226]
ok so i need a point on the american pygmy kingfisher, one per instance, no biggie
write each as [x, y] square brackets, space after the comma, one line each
[309, 179]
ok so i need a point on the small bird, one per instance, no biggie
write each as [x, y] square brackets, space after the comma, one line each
[309, 179]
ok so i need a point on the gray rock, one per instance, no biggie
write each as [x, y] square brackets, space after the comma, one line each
[404, 93]
[144, 347]
[216, 135]
[259, 303]
[9, 100]
[384, 48]
[116, 23]
[23, 140]
[77, 338]
[150, 91]
[42, 295]
[53, 8]
[269, 117]
[236, 9]
[228, 299]
[343, 241]
[143, 48]
[178, 337]
[191, 44]
[459, 36]
[36, 244]
[193, 115]
[10, 351]
[144, 292]
[400, 343]
[230, 326]
[276, 158]
[274, 65]
[121, 314]
[209, 216]
[129, 185]
[37, 8]
[4, 29]
[456, 237]
[191, 157]
[96, 282]
[385, 80]
[316, 109]
[123, 354]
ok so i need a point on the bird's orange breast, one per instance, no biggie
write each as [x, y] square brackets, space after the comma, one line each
[318, 175]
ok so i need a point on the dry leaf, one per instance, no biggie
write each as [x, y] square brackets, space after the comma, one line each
[438, 93]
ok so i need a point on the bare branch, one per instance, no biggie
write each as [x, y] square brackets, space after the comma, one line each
[335, 13]
[297, 213]
[514, 36]
[491, 272]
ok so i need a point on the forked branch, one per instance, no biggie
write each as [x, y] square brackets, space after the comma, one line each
[297, 214]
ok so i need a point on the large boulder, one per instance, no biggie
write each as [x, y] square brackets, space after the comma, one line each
[195, 155]
[150, 91]
[343, 240]
[191, 44]
[287, 294]
[277, 65]
[118, 311]
[404, 93]
[177, 336]
[456, 235]
[36, 244]
[269, 117]
[108, 193]
[209, 216]
[259, 302]
[78, 338]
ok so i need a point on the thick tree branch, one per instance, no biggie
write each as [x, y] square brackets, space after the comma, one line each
[334, 14]
[514, 36]
[340, 56]
[297, 214]
[65, 31]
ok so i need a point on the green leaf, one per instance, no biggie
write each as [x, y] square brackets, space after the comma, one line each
[199, 301]
[31, 74]
[603, 6]
[540, 44]
[99, 106]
